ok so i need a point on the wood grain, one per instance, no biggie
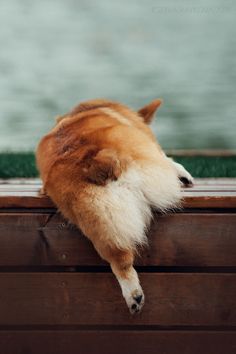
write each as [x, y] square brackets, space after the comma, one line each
[38, 239]
[95, 299]
[116, 342]
[75, 312]
[206, 193]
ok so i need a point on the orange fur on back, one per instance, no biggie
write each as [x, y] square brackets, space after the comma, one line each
[103, 168]
[99, 143]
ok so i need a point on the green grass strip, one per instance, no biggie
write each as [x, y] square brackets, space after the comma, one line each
[209, 166]
[23, 165]
[20, 164]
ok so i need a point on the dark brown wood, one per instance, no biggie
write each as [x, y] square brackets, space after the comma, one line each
[38, 239]
[30, 200]
[117, 342]
[192, 239]
[95, 299]
[210, 200]
[83, 312]
[207, 193]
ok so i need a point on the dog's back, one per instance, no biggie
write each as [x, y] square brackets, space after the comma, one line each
[104, 170]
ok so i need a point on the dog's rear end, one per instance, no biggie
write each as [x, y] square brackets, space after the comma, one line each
[103, 168]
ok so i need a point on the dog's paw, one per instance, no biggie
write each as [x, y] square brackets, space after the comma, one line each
[132, 292]
[135, 302]
[183, 175]
[187, 181]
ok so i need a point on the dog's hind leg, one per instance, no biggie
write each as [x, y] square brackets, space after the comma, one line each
[115, 219]
[121, 263]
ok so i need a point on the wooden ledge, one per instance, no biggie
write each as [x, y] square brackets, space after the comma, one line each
[207, 193]
[56, 292]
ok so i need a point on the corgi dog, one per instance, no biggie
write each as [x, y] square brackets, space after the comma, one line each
[105, 171]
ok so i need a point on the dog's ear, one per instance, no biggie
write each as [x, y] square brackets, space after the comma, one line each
[147, 112]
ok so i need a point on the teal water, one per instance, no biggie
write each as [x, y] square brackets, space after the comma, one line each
[54, 54]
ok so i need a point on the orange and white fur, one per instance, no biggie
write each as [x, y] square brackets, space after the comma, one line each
[103, 168]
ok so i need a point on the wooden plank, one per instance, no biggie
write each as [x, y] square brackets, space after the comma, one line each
[21, 240]
[43, 240]
[37, 181]
[20, 181]
[95, 299]
[18, 188]
[116, 342]
[207, 193]
[30, 201]
[34, 201]
[209, 202]
[191, 239]
[15, 189]
[215, 181]
[35, 184]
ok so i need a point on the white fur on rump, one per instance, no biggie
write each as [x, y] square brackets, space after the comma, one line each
[124, 206]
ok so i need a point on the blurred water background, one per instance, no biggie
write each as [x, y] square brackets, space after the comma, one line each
[54, 54]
